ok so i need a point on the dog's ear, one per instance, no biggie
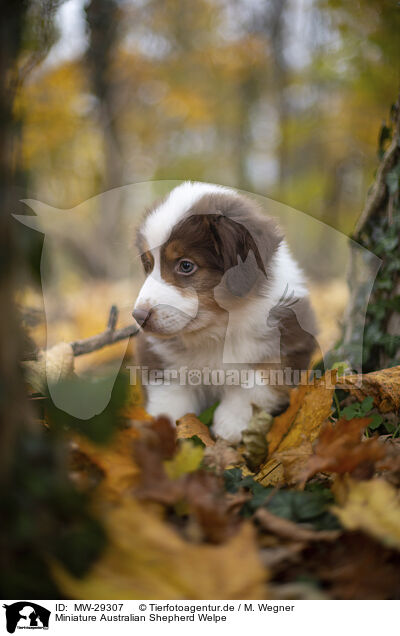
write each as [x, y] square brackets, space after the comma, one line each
[233, 242]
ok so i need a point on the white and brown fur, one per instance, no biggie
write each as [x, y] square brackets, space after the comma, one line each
[246, 305]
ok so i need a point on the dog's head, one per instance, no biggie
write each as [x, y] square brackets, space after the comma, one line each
[205, 249]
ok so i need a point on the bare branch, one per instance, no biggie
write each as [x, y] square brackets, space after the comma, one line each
[108, 337]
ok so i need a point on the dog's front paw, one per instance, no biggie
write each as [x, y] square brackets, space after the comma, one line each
[230, 419]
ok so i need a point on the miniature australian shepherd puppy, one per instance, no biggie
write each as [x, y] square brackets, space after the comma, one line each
[222, 294]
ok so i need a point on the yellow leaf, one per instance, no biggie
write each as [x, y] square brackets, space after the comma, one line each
[296, 429]
[373, 507]
[186, 460]
[190, 425]
[115, 461]
[148, 559]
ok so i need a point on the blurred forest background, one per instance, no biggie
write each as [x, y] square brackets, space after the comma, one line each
[284, 98]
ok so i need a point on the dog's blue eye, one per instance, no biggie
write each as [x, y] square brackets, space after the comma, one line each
[186, 267]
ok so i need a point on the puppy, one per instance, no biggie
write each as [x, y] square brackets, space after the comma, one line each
[223, 301]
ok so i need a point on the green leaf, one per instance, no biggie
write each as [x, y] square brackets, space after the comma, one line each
[341, 367]
[353, 410]
[197, 441]
[376, 421]
[367, 404]
[206, 417]
[232, 478]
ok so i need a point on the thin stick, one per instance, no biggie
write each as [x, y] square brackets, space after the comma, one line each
[108, 337]
[104, 339]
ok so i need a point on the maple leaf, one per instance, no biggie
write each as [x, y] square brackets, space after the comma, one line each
[310, 406]
[339, 449]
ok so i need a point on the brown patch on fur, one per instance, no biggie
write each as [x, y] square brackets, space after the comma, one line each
[174, 250]
[220, 233]
[245, 212]
[147, 259]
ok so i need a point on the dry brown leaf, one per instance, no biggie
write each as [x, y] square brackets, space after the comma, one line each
[216, 512]
[221, 455]
[354, 567]
[294, 461]
[148, 559]
[292, 531]
[190, 425]
[383, 386]
[340, 450]
[301, 423]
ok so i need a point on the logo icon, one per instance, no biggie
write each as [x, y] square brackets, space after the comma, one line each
[26, 615]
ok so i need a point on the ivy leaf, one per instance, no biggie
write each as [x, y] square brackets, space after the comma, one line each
[367, 404]
[376, 421]
[351, 411]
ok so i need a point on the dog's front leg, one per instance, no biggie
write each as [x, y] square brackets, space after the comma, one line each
[174, 401]
[233, 414]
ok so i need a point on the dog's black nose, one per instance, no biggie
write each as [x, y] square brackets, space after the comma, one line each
[141, 315]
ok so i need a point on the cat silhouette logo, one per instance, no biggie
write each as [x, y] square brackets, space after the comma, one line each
[26, 615]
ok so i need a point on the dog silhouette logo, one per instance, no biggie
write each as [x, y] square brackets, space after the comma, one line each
[26, 615]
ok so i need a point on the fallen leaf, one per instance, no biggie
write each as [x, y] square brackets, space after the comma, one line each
[114, 462]
[255, 438]
[221, 456]
[190, 425]
[147, 559]
[383, 386]
[371, 506]
[215, 512]
[283, 422]
[294, 461]
[292, 531]
[354, 567]
[301, 423]
[339, 449]
[187, 460]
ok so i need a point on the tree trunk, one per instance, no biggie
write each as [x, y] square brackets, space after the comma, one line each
[378, 230]
[14, 407]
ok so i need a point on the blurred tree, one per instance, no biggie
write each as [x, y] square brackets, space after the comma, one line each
[378, 229]
[42, 513]
[103, 22]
